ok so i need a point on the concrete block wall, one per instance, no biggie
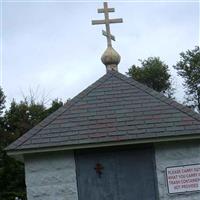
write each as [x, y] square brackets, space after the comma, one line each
[51, 176]
[175, 154]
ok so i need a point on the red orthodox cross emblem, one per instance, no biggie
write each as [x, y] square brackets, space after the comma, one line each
[99, 169]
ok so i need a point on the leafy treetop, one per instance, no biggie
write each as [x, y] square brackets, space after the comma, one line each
[153, 73]
[188, 68]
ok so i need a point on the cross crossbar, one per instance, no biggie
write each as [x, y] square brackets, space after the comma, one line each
[111, 36]
[102, 10]
[107, 22]
[110, 21]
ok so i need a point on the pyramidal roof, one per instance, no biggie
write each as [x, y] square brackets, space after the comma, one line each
[114, 110]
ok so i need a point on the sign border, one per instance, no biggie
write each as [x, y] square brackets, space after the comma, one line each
[197, 191]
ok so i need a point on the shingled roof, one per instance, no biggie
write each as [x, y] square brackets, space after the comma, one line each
[113, 109]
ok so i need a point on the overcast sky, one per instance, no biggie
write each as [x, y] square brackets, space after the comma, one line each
[53, 46]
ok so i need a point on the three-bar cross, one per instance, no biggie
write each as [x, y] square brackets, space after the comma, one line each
[107, 22]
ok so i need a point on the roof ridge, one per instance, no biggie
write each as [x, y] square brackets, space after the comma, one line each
[59, 112]
[159, 96]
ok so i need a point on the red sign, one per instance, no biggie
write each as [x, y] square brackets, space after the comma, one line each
[183, 178]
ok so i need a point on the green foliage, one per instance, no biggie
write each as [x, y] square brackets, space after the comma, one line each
[2, 106]
[188, 68]
[13, 195]
[23, 116]
[153, 73]
[2, 101]
[54, 106]
[11, 179]
[17, 120]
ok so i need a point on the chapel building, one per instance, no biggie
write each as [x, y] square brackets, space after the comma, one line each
[116, 140]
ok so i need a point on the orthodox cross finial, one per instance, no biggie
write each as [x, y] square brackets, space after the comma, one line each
[107, 22]
[110, 57]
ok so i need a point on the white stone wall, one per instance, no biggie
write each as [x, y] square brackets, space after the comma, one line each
[175, 154]
[51, 176]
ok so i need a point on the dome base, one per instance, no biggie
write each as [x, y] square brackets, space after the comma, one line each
[110, 59]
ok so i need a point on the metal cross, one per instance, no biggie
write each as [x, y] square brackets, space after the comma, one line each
[107, 22]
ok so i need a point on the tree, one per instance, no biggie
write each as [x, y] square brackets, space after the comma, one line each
[188, 68]
[153, 73]
[17, 120]
[23, 116]
[2, 101]
[54, 106]
[2, 106]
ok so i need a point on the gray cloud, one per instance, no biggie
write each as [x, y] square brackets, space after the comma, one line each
[55, 46]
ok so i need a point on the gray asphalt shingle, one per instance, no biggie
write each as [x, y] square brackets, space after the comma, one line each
[114, 108]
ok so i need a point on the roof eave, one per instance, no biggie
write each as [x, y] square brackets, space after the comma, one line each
[19, 153]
